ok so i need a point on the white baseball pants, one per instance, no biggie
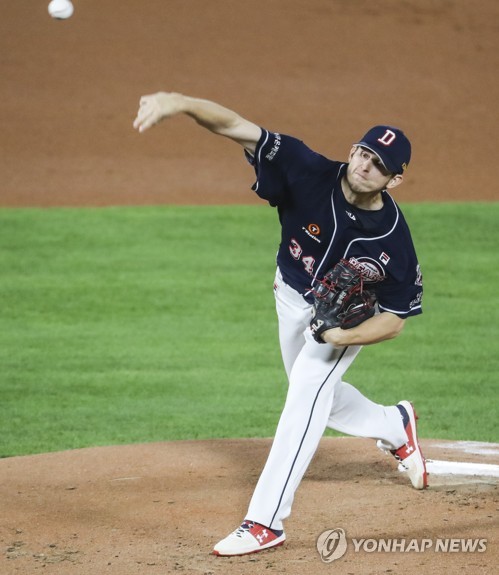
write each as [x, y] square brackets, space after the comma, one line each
[317, 398]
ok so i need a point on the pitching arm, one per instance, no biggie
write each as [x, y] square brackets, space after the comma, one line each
[212, 116]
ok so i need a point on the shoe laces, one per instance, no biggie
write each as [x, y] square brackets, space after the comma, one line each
[243, 528]
[384, 446]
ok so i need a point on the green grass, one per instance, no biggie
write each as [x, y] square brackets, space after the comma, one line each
[125, 325]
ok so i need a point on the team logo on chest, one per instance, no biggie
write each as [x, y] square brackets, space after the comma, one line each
[312, 230]
[372, 271]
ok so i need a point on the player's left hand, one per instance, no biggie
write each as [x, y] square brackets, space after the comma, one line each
[341, 300]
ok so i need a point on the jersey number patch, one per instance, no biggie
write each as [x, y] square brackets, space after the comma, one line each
[296, 251]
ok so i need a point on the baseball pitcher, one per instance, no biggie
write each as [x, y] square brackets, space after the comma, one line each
[347, 276]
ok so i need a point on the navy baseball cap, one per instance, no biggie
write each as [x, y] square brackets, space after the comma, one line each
[390, 145]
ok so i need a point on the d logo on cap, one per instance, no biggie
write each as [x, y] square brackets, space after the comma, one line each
[390, 145]
[388, 138]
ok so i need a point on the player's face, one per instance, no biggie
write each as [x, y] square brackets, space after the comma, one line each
[366, 173]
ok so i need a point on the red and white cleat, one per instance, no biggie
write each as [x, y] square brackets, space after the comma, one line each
[409, 455]
[250, 537]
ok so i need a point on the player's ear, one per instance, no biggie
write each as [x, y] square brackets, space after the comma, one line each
[395, 181]
[352, 152]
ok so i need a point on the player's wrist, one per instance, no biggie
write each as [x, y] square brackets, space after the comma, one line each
[335, 336]
[180, 102]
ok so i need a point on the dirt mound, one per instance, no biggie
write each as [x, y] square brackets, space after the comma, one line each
[160, 508]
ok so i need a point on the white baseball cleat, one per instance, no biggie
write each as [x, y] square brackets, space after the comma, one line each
[250, 537]
[409, 455]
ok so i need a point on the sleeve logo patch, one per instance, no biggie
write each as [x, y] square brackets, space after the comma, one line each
[419, 276]
[275, 147]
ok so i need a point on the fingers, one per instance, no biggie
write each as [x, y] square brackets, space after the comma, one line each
[148, 114]
[154, 107]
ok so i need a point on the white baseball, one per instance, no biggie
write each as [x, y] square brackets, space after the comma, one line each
[61, 9]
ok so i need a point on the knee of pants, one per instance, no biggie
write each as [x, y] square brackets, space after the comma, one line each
[313, 372]
[321, 364]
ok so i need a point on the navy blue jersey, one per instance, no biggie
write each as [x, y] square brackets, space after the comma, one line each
[319, 227]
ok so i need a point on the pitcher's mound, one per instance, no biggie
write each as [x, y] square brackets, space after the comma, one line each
[159, 509]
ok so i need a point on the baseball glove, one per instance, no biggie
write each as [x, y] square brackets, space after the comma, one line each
[340, 300]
